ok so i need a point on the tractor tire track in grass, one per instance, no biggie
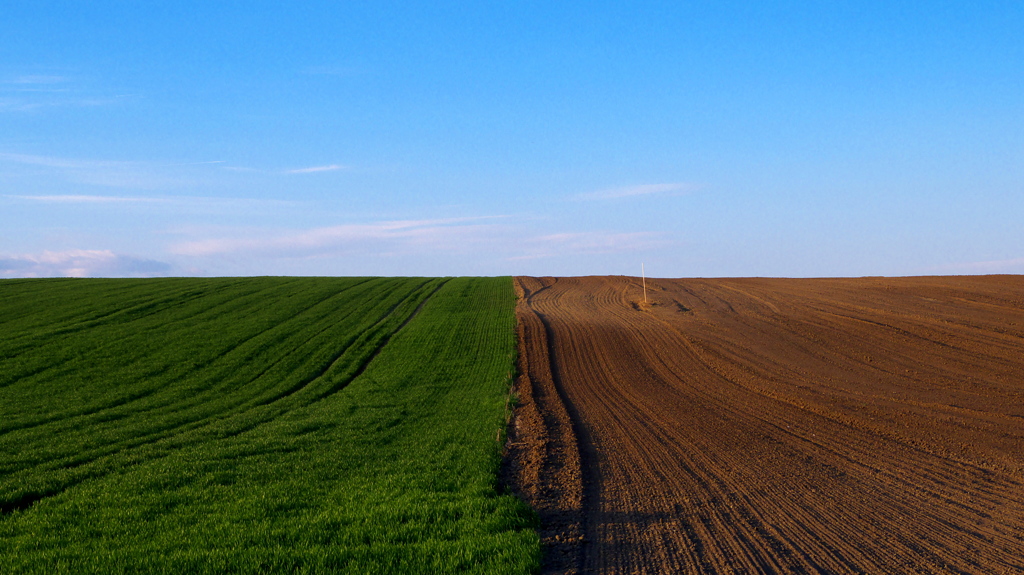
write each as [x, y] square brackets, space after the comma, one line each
[308, 425]
[243, 413]
[774, 426]
[196, 316]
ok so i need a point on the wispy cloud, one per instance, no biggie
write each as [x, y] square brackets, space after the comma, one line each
[80, 199]
[1010, 266]
[86, 164]
[287, 172]
[38, 97]
[37, 92]
[111, 173]
[65, 163]
[204, 163]
[639, 190]
[313, 169]
[587, 243]
[40, 79]
[169, 204]
[452, 235]
[80, 263]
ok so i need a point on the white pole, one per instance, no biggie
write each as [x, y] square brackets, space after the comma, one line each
[643, 276]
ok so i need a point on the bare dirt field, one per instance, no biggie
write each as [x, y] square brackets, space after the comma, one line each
[870, 425]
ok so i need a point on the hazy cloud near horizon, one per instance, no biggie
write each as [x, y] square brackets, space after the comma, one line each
[380, 246]
[447, 235]
[80, 263]
[1009, 266]
[563, 244]
[697, 138]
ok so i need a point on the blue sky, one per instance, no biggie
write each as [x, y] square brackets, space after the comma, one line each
[701, 138]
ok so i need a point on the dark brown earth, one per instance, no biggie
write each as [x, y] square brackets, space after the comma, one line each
[870, 425]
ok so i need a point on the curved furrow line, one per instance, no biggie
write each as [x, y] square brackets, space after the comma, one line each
[543, 452]
[727, 492]
[739, 364]
[46, 338]
[854, 459]
[861, 449]
[374, 339]
[153, 304]
[66, 472]
[229, 393]
[735, 429]
[130, 406]
[250, 396]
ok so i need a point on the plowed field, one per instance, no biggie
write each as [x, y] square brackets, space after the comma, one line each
[870, 425]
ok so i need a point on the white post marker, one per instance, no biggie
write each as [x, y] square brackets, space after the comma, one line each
[643, 277]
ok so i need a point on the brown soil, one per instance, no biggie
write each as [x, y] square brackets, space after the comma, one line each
[869, 425]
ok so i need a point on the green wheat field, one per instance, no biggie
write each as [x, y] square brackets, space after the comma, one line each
[257, 425]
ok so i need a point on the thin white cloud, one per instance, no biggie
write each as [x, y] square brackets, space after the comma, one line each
[314, 169]
[639, 190]
[168, 204]
[81, 199]
[587, 243]
[63, 163]
[40, 79]
[115, 173]
[31, 93]
[107, 173]
[87, 164]
[288, 172]
[1010, 266]
[18, 105]
[210, 202]
[31, 100]
[80, 263]
[450, 235]
[34, 89]
[205, 163]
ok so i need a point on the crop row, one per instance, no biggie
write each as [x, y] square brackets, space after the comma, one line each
[255, 425]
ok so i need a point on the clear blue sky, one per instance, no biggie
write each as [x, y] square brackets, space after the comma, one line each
[343, 138]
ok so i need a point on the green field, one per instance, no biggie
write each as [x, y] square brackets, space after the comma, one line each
[257, 425]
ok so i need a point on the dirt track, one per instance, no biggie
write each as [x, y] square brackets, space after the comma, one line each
[773, 425]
